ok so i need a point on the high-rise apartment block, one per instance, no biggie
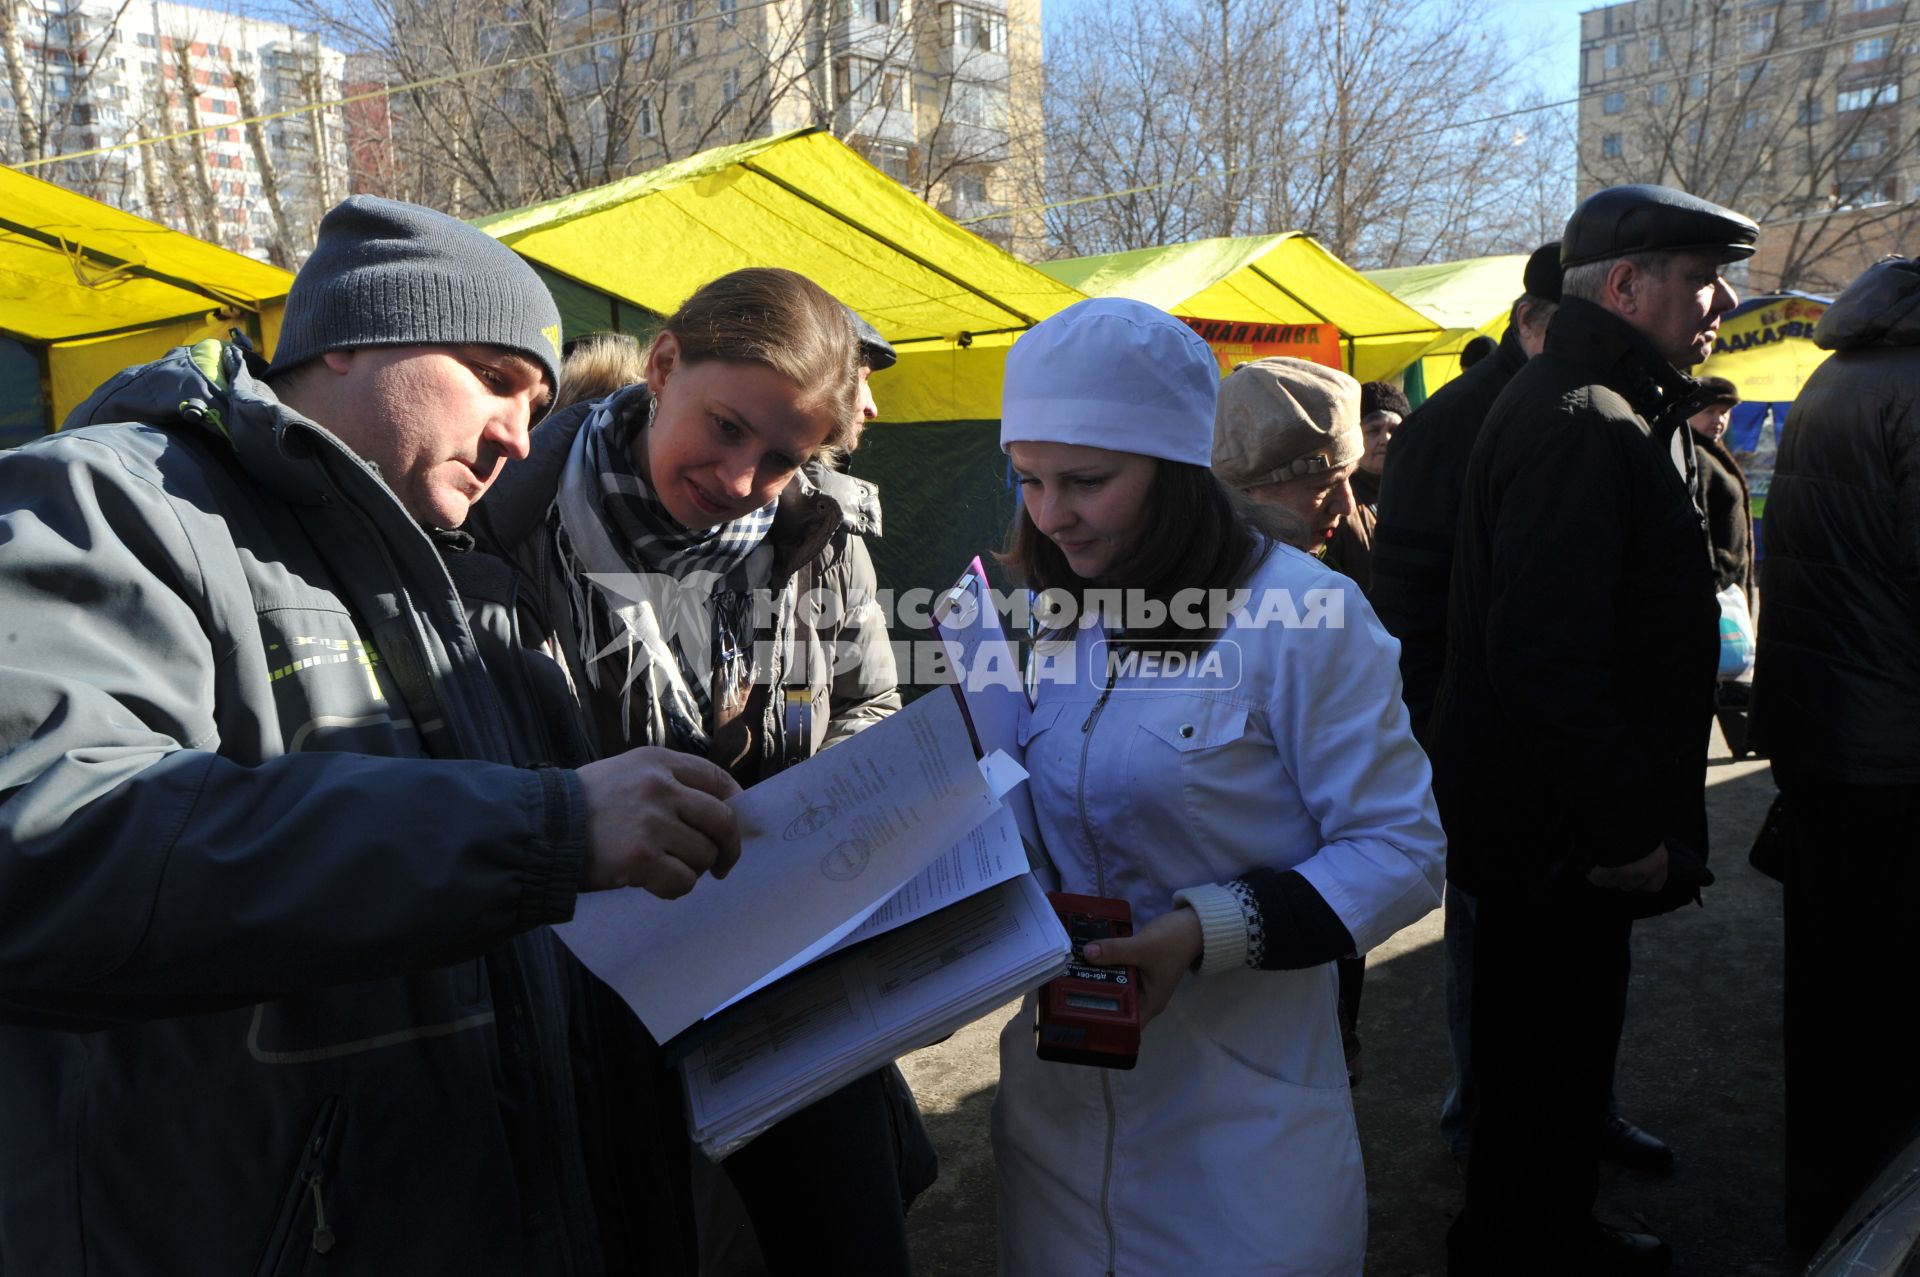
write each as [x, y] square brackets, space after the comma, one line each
[943, 95]
[1799, 113]
[90, 76]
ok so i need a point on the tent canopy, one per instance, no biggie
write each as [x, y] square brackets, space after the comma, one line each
[1469, 298]
[950, 301]
[803, 200]
[621, 255]
[89, 289]
[1263, 279]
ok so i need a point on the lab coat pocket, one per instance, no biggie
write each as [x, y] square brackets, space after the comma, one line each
[1189, 725]
[1211, 749]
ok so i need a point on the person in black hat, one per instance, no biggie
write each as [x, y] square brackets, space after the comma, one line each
[1569, 733]
[1419, 506]
[1476, 350]
[876, 355]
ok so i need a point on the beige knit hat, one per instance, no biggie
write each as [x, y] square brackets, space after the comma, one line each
[1281, 418]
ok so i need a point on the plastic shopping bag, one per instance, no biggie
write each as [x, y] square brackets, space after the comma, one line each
[1736, 633]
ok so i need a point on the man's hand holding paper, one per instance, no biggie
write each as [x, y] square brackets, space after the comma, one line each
[822, 844]
[657, 819]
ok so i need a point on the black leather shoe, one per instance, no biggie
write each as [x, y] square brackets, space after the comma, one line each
[1624, 1144]
[1611, 1251]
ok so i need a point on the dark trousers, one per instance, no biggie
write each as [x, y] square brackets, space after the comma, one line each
[1549, 985]
[823, 1187]
[1852, 899]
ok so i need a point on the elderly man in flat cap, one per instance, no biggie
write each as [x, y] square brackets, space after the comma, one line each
[1569, 735]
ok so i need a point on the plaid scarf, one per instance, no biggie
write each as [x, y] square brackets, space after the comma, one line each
[654, 604]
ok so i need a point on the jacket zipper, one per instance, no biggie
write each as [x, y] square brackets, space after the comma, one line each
[322, 1233]
[309, 1181]
[313, 1166]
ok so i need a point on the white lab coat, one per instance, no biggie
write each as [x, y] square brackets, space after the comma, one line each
[1231, 1147]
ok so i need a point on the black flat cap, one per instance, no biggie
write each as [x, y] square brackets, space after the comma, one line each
[876, 352]
[1542, 277]
[1653, 219]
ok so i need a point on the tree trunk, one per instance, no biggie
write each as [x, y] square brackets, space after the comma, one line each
[32, 140]
[280, 247]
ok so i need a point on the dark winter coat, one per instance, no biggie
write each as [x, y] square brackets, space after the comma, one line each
[1723, 491]
[1837, 685]
[1350, 548]
[1419, 510]
[1583, 636]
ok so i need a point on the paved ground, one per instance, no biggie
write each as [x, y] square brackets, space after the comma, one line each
[1699, 1065]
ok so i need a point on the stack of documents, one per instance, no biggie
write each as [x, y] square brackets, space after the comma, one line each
[893, 853]
[855, 1011]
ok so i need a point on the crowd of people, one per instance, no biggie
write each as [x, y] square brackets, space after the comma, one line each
[328, 684]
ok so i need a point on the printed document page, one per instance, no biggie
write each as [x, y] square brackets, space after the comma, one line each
[822, 844]
[990, 854]
[857, 1010]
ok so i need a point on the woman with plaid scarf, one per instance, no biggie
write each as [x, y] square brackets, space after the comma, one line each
[700, 574]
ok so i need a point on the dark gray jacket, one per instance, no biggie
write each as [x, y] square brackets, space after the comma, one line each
[273, 999]
[1837, 684]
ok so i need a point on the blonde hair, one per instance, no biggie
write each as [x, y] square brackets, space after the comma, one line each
[785, 321]
[598, 365]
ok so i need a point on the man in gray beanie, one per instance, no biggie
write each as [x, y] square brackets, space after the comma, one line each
[284, 809]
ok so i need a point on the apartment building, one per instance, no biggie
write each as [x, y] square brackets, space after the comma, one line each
[1799, 113]
[943, 95]
[90, 75]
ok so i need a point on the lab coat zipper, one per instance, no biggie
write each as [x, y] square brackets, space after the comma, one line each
[1100, 888]
[1086, 745]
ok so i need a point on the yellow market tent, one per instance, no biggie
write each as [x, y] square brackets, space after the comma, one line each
[1469, 298]
[950, 301]
[86, 290]
[1765, 348]
[1260, 283]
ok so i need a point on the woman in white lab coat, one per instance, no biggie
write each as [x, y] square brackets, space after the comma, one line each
[1244, 778]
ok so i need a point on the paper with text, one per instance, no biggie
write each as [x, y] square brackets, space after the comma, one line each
[822, 844]
[859, 1009]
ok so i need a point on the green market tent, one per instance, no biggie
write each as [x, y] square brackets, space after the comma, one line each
[1284, 279]
[619, 256]
[86, 290]
[1469, 298]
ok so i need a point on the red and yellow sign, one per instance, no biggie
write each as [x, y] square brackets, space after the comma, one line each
[1766, 348]
[1236, 343]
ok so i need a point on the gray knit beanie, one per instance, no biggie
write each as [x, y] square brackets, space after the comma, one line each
[384, 273]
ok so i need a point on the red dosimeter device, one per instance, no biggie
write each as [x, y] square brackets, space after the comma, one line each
[1090, 1015]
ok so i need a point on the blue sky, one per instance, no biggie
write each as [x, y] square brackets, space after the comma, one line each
[1555, 24]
